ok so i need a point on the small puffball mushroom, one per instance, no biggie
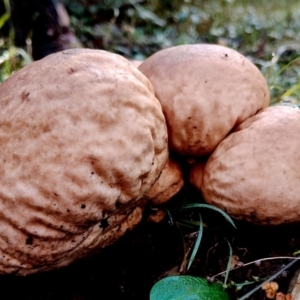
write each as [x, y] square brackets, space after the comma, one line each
[254, 172]
[205, 91]
[168, 184]
[83, 139]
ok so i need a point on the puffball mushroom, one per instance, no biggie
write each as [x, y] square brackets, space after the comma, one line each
[168, 184]
[205, 91]
[254, 172]
[83, 139]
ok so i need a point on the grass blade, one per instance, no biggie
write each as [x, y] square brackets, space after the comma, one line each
[228, 264]
[291, 91]
[201, 205]
[282, 70]
[182, 269]
[197, 243]
[3, 19]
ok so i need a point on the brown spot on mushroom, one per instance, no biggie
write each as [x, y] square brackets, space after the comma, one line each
[24, 95]
[104, 224]
[29, 240]
[71, 71]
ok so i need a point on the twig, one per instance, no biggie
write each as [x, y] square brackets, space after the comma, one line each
[257, 261]
[270, 279]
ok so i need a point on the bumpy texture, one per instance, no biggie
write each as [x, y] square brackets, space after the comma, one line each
[254, 172]
[205, 90]
[168, 184]
[82, 140]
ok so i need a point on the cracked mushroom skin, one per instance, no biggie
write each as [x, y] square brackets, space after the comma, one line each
[205, 91]
[254, 172]
[83, 139]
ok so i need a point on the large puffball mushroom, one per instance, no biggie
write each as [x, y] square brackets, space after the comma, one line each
[205, 91]
[254, 172]
[83, 139]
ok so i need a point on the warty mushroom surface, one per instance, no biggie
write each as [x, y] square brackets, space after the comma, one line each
[205, 91]
[83, 139]
[254, 172]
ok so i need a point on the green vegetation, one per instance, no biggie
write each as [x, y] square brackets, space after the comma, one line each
[11, 58]
[265, 31]
[187, 287]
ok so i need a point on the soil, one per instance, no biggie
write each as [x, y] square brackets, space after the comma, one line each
[129, 268]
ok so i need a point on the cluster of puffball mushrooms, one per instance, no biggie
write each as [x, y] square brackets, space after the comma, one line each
[87, 137]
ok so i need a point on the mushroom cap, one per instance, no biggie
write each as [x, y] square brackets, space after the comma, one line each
[205, 90]
[83, 138]
[254, 172]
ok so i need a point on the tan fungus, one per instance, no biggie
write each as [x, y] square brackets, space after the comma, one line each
[254, 172]
[83, 139]
[168, 184]
[205, 91]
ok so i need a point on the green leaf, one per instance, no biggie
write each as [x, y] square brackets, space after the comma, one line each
[187, 288]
